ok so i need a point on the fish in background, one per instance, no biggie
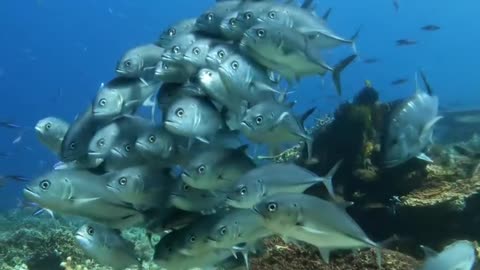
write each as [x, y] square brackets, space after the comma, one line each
[460, 255]
[50, 132]
[430, 27]
[406, 42]
[107, 246]
[9, 125]
[399, 81]
[409, 128]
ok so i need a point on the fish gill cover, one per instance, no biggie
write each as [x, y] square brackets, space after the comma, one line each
[195, 155]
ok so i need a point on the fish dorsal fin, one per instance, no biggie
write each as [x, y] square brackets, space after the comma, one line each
[306, 114]
[327, 14]
[426, 83]
[428, 251]
[308, 5]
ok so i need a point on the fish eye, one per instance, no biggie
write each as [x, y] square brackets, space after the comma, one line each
[45, 184]
[152, 138]
[72, 146]
[201, 169]
[101, 142]
[48, 125]
[176, 49]
[259, 119]
[232, 21]
[243, 191]
[186, 187]
[122, 181]
[272, 207]
[179, 112]
[102, 102]
[128, 63]
[164, 65]
[221, 53]
[171, 32]
[128, 147]
[272, 14]
[223, 230]
[192, 239]
[247, 15]
[235, 65]
[196, 50]
[90, 230]
[210, 16]
[260, 32]
[210, 74]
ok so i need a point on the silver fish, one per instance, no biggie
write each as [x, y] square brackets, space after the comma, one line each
[209, 22]
[84, 194]
[409, 129]
[216, 168]
[289, 53]
[179, 46]
[193, 118]
[144, 187]
[219, 53]
[156, 143]
[108, 137]
[123, 155]
[212, 84]
[255, 185]
[302, 20]
[240, 75]
[121, 96]
[107, 246]
[140, 62]
[274, 124]
[195, 55]
[188, 198]
[80, 133]
[460, 255]
[171, 72]
[50, 132]
[312, 220]
[173, 31]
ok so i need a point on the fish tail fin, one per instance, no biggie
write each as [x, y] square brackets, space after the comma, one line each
[327, 179]
[307, 114]
[426, 83]
[354, 40]
[337, 70]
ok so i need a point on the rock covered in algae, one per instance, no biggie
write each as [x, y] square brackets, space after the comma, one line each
[280, 256]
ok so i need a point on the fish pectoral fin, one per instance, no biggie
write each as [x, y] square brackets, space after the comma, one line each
[424, 157]
[311, 230]
[325, 254]
[243, 249]
[202, 139]
[428, 251]
[426, 132]
[83, 200]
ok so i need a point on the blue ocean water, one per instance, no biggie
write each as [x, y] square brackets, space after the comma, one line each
[54, 55]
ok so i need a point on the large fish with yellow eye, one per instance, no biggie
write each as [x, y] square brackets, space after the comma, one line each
[290, 53]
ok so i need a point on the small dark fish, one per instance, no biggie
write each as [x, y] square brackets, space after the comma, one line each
[396, 5]
[371, 60]
[399, 81]
[17, 178]
[5, 155]
[6, 124]
[430, 27]
[406, 42]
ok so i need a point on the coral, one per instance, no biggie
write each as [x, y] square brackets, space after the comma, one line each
[281, 256]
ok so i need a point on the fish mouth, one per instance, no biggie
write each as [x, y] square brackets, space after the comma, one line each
[186, 178]
[246, 124]
[117, 152]
[141, 146]
[121, 71]
[170, 123]
[224, 72]
[112, 188]
[39, 129]
[29, 193]
[102, 113]
[255, 210]
[95, 154]
[212, 241]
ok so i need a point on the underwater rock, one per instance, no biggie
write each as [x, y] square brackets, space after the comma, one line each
[281, 256]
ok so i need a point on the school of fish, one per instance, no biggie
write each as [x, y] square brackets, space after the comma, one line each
[216, 82]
